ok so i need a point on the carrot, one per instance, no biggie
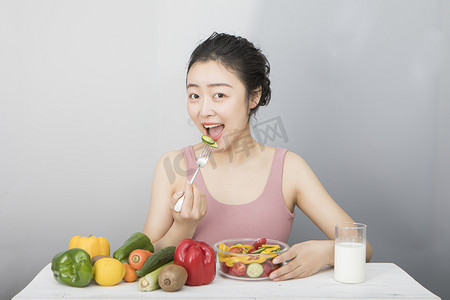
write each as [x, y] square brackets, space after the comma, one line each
[138, 257]
[130, 274]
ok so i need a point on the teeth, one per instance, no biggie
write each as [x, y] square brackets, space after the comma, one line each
[212, 126]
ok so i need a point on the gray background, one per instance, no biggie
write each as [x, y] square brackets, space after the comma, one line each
[92, 94]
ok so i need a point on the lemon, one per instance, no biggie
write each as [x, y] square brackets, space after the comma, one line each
[108, 271]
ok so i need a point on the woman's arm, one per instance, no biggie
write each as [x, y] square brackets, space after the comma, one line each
[317, 204]
[304, 188]
[163, 225]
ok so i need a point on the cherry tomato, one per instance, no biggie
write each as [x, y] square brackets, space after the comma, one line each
[226, 269]
[239, 268]
[267, 269]
[231, 272]
[236, 250]
[259, 243]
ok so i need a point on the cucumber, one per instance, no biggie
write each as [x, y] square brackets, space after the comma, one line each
[254, 270]
[260, 249]
[158, 259]
[209, 141]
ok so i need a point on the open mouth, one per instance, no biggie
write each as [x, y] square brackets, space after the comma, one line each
[214, 130]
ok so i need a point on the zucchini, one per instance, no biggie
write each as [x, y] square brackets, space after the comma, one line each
[149, 282]
[209, 141]
[158, 259]
[254, 270]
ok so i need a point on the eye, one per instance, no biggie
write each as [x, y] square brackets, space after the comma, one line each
[219, 95]
[194, 96]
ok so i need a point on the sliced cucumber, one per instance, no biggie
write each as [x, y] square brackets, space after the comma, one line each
[254, 270]
[209, 141]
[260, 249]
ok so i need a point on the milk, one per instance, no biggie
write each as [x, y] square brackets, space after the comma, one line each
[349, 262]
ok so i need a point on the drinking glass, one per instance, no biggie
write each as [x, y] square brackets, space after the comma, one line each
[350, 252]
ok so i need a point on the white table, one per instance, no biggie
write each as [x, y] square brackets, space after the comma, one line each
[383, 281]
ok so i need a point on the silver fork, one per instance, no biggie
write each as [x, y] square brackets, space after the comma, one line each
[201, 162]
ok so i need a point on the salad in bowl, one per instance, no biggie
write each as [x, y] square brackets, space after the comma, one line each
[248, 258]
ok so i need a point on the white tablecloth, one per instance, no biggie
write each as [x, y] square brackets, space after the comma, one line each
[383, 281]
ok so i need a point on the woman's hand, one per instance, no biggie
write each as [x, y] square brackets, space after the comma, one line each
[305, 259]
[194, 206]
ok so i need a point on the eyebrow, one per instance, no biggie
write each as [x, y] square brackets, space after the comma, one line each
[210, 85]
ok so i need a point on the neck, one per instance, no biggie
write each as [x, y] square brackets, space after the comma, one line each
[238, 148]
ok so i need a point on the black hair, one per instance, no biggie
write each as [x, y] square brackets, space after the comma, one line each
[241, 56]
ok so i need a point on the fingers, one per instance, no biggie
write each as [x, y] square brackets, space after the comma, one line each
[188, 197]
[176, 197]
[174, 204]
[289, 271]
[194, 205]
[288, 255]
[281, 272]
[199, 205]
[304, 259]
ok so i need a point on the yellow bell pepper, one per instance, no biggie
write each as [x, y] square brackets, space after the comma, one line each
[91, 244]
[230, 261]
[245, 248]
[271, 248]
[223, 247]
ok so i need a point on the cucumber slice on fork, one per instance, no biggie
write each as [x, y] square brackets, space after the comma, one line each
[209, 141]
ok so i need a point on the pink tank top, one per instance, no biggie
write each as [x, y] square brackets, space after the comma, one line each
[266, 216]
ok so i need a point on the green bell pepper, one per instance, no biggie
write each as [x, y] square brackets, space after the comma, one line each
[73, 267]
[137, 240]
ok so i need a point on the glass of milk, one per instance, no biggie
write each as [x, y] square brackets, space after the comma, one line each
[350, 252]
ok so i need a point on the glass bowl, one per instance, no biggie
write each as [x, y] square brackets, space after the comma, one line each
[239, 259]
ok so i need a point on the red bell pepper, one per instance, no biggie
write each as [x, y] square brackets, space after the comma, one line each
[199, 260]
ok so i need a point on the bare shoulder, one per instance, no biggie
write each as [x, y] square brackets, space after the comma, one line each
[294, 163]
[168, 158]
[296, 173]
[293, 169]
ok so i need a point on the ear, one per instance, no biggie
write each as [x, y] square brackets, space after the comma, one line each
[255, 97]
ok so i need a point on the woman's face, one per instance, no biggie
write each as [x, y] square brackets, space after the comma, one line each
[217, 102]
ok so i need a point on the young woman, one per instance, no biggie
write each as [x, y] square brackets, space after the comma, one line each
[247, 189]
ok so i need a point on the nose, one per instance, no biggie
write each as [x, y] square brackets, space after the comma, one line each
[207, 108]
